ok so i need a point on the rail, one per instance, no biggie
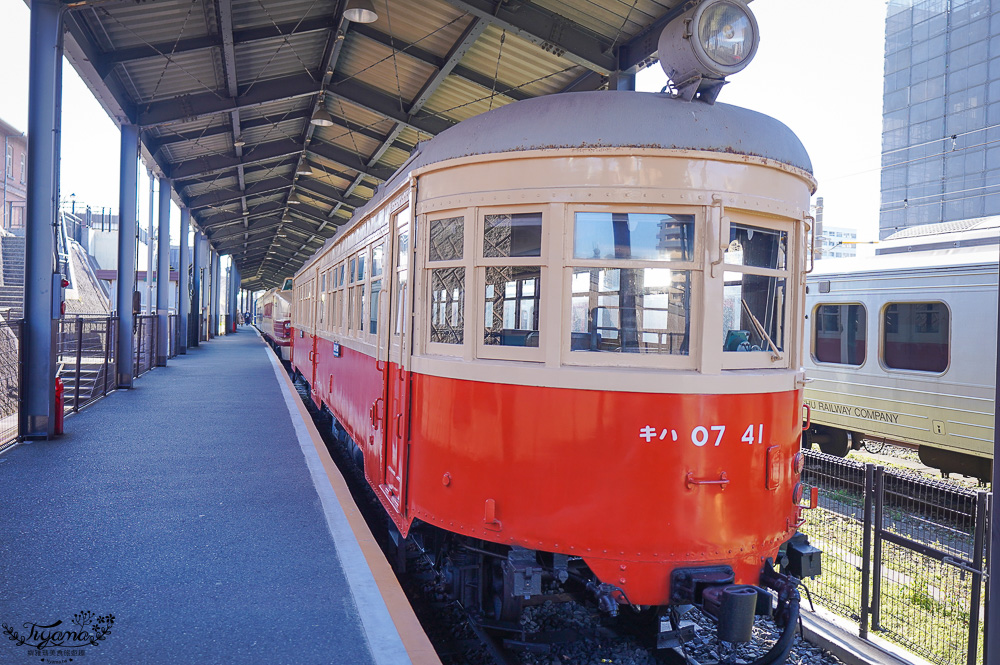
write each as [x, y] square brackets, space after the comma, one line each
[904, 557]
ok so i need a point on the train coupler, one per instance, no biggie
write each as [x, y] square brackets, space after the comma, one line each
[733, 606]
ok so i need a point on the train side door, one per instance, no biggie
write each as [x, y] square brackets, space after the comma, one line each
[397, 346]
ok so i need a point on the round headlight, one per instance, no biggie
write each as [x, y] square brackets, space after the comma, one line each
[727, 33]
[715, 39]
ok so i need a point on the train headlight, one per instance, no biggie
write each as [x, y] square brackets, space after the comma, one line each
[700, 48]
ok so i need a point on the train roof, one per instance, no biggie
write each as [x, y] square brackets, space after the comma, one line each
[617, 119]
[944, 259]
[602, 119]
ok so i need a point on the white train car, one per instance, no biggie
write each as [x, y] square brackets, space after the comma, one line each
[902, 348]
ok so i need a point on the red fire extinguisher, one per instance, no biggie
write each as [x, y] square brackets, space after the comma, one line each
[60, 409]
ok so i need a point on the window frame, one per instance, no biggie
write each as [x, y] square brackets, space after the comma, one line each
[763, 358]
[695, 266]
[480, 263]
[427, 267]
[881, 337]
[814, 317]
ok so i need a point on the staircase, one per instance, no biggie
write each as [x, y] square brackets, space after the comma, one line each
[12, 289]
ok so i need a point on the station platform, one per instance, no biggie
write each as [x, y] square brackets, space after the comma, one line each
[201, 511]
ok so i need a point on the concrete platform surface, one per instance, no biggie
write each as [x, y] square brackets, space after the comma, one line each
[192, 519]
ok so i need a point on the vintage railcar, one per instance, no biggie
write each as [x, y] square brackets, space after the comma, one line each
[274, 318]
[901, 347]
[570, 329]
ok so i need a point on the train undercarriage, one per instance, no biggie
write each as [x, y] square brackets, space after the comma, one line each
[838, 442]
[496, 583]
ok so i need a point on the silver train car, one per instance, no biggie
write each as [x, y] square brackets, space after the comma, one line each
[902, 347]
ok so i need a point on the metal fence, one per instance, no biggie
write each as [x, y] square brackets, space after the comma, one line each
[10, 381]
[903, 556]
[144, 343]
[87, 359]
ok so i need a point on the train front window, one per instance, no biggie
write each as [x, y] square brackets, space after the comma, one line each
[916, 336]
[755, 292]
[448, 305]
[633, 236]
[839, 334]
[512, 235]
[512, 306]
[631, 310]
[447, 239]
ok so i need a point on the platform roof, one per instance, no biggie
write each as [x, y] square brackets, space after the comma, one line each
[224, 90]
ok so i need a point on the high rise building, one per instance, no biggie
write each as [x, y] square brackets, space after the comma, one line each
[941, 112]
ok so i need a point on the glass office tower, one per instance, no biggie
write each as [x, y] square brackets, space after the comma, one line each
[941, 112]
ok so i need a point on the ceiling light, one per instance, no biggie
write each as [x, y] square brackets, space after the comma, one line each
[303, 169]
[321, 118]
[239, 142]
[360, 11]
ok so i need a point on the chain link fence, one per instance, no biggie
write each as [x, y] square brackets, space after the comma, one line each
[10, 381]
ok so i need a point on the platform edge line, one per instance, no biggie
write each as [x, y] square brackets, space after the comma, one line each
[361, 546]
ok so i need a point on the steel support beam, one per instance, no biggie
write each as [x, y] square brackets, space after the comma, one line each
[38, 334]
[128, 225]
[216, 291]
[194, 332]
[545, 29]
[183, 283]
[163, 276]
[149, 244]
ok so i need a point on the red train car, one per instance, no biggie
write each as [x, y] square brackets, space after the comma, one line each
[274, 318]
[579, 343]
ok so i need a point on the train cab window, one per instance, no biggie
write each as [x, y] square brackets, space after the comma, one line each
[631, 310]
[448, 305]
[755, 291]
[447, 239]
[916, 336]
[642, 306]
[512, 282]
[839, 334]
[446, 248]
[512, 235]
[512, 307]
[634, 236]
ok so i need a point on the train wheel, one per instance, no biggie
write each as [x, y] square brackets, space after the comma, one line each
[831, 441]
[500, 602]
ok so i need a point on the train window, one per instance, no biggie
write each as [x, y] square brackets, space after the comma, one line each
[378, 253]
[755, 289]
[322, 300]
[512, 235]
[839, 334]
[361, 267]
[756, 247]
[753, 312]
[403, 254]
[373, 309]
[512, 306]
[631, 310]
[635, 236]
[447, 239]
[916, 336]
[448, 305]
[354, 269]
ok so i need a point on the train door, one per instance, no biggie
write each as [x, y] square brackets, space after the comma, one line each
[397, 376]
